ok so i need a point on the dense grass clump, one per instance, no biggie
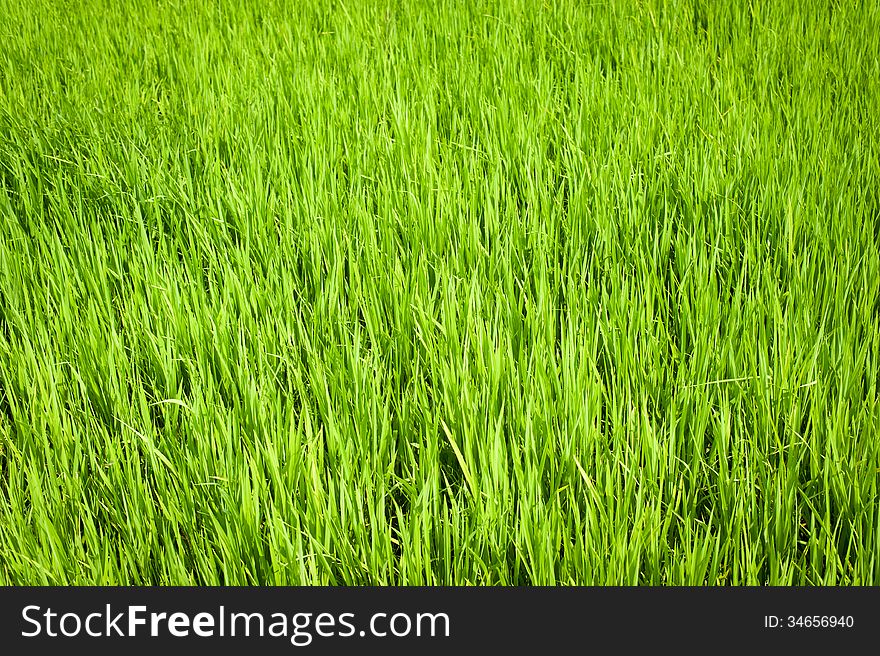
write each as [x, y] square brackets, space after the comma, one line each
[439, 292]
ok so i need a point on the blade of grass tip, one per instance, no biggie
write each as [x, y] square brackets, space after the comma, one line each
[152, 447]
[460, 457]
[726, 380]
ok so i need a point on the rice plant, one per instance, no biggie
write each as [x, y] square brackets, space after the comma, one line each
[439, 292]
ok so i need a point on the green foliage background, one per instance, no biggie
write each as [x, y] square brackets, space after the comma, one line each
[439, 292]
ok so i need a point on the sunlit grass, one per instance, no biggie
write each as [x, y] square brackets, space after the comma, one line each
[439, 292]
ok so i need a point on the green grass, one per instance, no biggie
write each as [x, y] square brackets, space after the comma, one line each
[439, 292]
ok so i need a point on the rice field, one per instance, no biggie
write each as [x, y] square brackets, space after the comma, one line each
[439, 292]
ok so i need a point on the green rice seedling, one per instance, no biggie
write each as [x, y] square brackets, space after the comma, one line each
[439, 292]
